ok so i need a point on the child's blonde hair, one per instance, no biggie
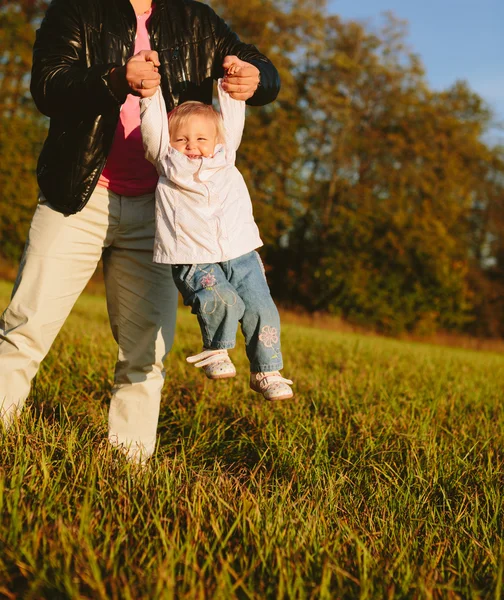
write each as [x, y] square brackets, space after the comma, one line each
[183, 112]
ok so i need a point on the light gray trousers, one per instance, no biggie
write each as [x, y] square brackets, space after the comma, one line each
[61, 254]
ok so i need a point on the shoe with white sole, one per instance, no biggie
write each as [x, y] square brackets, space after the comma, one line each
[216, 364]
[271, 385]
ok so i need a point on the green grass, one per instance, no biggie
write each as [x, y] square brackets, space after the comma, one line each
[383, 479]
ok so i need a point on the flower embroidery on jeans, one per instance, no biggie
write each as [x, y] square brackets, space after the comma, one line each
[208, 280]
[268, 336]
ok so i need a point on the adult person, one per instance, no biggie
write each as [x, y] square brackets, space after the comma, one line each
[92, 62]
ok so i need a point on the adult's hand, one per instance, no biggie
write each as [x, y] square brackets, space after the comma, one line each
[242, 78]
[139, 76]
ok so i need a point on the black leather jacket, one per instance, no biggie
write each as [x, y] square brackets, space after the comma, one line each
[80, 41]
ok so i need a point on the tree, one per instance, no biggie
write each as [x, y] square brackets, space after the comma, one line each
[392, 172]
[22, 129]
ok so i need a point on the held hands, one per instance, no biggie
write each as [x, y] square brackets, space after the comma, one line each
[241, 79]
[139, 76]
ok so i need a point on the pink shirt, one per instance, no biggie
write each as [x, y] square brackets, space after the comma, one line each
[127, 171]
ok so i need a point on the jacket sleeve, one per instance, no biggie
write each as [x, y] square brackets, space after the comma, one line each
[228, 43]
[154, 129]
[233, 115]
[61, 82]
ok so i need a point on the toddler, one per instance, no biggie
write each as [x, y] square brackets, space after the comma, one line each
[206, 230]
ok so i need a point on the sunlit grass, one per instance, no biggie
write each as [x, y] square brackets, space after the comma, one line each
[383, 478]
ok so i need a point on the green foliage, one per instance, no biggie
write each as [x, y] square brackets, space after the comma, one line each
[20, 143]
[382, 479]
[393, 174]
[22, 129]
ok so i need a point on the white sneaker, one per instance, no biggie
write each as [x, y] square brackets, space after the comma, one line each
[271, 385]
[215, 363]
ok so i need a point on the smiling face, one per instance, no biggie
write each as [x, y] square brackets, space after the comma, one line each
[195, 137]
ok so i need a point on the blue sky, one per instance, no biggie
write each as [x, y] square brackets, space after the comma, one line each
[456, 39]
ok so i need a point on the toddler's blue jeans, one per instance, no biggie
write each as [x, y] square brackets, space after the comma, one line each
[227, 293]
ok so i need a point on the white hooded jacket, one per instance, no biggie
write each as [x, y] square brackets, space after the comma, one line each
[203, 208]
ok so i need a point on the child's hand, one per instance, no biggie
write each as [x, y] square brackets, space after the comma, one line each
[233, 64]
[242, 78]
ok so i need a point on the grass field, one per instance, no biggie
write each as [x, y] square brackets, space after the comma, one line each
[383, 479]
